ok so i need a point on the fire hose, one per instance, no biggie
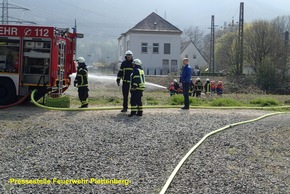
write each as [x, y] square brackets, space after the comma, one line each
[16, 103]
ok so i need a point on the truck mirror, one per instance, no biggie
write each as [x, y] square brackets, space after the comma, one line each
[79, 35]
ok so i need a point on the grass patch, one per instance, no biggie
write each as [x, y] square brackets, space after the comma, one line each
[150, 100]
[113, 97]
[176, 100]
[225, 102]
[265, 102]
[106, 100]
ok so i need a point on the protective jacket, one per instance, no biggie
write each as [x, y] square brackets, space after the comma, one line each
[212, 86]
[125, 71]
[219, 89]
[207, 87]
[198, 86]
[137, 79]
[81, 79]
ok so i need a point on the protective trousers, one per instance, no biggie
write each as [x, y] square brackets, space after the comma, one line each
[83, 95]
[136, 102]
[185, 86]
[125, 92]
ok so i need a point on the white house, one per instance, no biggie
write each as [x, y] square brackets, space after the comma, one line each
[196, 59]
[156, 42]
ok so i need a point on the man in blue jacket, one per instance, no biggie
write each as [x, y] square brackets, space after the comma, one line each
[185, 80]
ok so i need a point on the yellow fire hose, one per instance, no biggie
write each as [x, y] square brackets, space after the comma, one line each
[169, 180]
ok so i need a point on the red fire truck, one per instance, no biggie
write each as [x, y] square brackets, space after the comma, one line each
[35, 57]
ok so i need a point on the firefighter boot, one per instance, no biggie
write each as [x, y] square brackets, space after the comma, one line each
[132, 114]
[85, 104]
[139, 113]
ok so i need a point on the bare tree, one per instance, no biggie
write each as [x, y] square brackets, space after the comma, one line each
[195, 35]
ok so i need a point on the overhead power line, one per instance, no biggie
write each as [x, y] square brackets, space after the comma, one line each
[5, 16]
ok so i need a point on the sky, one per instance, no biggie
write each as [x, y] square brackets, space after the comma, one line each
[107, 19]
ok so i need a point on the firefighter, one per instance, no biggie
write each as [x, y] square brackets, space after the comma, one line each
[81, 82]
[137, 87]
[207, 87]
[191, 88]
[198, 87]
[173, 88]
[212, 88]
[176, 86]
[124, 73]
[219, 88]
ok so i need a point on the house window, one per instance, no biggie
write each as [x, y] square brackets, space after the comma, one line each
[166, 48]
[194, 56]
[156, 48]
[186, 56]
[165, 67]
[173, 62]
[173, 65]
[165, 62]
[128, 45]
[144, 47]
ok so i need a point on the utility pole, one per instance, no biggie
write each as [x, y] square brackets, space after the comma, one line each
[5, 12]
[286, 45]
[241, 41]
[5, 17]
[211, 53]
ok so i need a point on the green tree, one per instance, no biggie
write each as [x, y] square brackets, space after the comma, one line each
[263, 51]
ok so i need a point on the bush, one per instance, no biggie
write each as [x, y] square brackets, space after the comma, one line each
[265, 102]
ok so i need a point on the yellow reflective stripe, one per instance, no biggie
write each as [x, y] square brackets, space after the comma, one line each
[142, 78]
[128, 69]
[134, 108]
[84, 102]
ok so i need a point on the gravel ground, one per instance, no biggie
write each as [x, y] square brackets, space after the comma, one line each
[139, 154]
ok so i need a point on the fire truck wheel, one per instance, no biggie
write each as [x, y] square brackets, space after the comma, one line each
[7, 91]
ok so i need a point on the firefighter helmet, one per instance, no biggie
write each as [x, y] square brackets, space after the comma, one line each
[197, 79]
[207, 80]
[129, 53]
[137, 62]
[81, 60]
[175, 80]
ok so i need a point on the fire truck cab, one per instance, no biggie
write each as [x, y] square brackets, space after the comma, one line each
[35, 57]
